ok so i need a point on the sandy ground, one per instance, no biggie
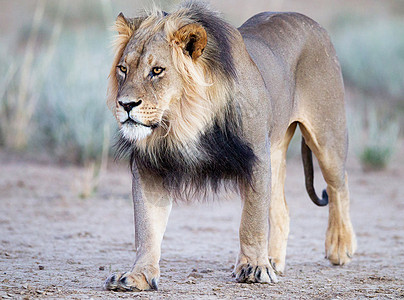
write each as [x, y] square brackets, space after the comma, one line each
[56, 245]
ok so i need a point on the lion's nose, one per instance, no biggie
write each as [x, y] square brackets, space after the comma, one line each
[129, 105]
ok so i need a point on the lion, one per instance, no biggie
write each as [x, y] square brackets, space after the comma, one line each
[200, 103]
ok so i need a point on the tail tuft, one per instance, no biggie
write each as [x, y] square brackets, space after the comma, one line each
[324, 199]
[325, 196]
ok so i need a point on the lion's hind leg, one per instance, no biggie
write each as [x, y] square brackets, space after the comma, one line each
[330, 147]
[340, 243]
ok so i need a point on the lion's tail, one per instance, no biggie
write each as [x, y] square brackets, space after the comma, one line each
[309, 176]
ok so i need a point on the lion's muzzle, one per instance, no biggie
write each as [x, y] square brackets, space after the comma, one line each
[137, 118]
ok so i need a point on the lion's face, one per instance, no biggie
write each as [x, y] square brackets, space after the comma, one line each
[162, 83]
[147, 85]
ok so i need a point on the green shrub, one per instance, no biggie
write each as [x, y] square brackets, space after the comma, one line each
[373, 137]
[375, 157]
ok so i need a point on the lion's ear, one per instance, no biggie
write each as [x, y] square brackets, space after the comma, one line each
[192, 38]
[127, 26]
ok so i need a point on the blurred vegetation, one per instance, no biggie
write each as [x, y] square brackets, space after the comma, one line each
[374, 135]
[371, 53]
[53, 94]
[55, 68]
[58, 80]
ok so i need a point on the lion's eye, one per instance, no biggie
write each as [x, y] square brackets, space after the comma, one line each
[156, 71]
[122, 69]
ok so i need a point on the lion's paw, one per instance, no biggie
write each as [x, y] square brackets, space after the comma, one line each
[250, 273]
[132, 282]
[340, 244]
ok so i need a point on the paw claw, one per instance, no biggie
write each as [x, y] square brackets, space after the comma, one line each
[258, 274]
[154, 285]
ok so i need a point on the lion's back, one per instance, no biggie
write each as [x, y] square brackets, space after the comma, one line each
[285, 35]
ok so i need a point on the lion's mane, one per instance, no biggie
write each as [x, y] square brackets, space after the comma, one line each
[202, 144]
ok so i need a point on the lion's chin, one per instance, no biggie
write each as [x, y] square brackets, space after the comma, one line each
[135, 132]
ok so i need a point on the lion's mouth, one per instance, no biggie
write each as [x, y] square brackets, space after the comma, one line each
[135, 131]
[131, 122]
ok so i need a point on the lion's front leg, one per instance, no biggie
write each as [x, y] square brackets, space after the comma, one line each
[253, 263]
[152, 206]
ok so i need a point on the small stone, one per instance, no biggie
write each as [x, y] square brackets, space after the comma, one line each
[207, 271]
[190, 281]
[39, 291]
[40, 267]
[20, 183]
[195, 275]
[101, 268]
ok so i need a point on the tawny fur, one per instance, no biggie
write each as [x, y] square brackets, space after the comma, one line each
[249, 88]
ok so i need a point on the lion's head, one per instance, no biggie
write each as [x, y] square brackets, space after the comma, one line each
[171, 75]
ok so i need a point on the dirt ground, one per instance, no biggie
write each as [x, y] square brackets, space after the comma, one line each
[55, 245]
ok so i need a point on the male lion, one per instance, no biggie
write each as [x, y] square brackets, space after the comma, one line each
[200, 102]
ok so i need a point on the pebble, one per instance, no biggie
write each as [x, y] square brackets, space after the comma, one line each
[190, 281]
[195, 275]
[40, 267]
[5, 296]
[207, 271]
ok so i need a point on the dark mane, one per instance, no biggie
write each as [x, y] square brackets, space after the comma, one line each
[224, 158]
[219, 37]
